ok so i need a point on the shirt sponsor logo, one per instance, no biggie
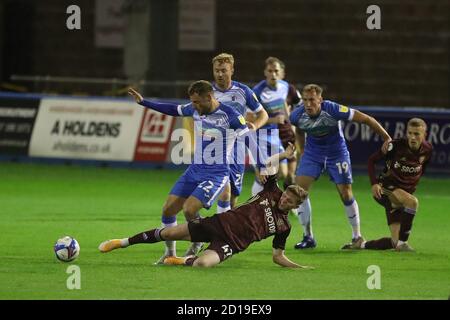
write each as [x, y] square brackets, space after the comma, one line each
[407, 169]
[270, 220]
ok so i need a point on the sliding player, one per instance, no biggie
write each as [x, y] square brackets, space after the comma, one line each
[229, 233]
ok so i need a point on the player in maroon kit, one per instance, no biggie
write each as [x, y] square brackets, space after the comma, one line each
[262, 216]
[405, 163]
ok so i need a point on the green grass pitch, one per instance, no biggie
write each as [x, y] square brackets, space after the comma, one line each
[40, 203]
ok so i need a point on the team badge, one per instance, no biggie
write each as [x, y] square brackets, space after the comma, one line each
[390, 146]
[343, 108]
[241, 119]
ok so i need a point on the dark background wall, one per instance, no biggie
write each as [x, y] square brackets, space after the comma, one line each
[406, 63]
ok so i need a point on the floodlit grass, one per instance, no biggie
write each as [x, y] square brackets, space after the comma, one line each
[40, 203]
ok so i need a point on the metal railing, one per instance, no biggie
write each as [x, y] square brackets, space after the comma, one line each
[99, 86]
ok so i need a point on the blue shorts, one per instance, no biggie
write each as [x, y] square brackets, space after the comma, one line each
[236, 177]
[338, 167]
[205, 186]
[269, 145]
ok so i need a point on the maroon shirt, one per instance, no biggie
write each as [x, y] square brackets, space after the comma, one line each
[257, 219]
[285, 129]
[403, 166]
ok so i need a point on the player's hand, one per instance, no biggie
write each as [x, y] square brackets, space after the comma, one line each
[290, 151]
[377, 191]
[136, 95]
[260, 177]
[280, 118]
[251, 125]
[385, 146]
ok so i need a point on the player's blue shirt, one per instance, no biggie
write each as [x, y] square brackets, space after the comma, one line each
[324, 132]
[272, 99]
[213, 138]
[238, 96]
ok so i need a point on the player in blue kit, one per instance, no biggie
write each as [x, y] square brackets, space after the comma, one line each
[272, 93]
[325, 150]
[242, 98]
[216, 128]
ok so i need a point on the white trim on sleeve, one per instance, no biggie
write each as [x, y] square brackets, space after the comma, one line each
[352, 113]
[180, 106]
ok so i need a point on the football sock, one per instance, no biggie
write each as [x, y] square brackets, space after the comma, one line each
[407, 217]
[223, 206]
[150, 236]
[124, 242]
[171, 246]
[380, 244]
[256, 187]
[304, 217]
[352, 211]
[196, 245]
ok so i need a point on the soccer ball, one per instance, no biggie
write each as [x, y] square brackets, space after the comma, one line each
[67, 249]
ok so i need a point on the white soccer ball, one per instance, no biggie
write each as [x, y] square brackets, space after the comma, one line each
[67, 249]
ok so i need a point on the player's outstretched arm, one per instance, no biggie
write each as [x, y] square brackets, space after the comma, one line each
[280, 259]
[374, 125]
[261, 118]
[166, 108]
[272, 164]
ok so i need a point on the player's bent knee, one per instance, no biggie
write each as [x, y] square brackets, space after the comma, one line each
[414, 202]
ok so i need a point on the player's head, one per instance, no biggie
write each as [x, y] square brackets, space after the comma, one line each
[272, 71]
[201, 95]
[416, 132]
[292, 197]
[312, 98]
[223, 69]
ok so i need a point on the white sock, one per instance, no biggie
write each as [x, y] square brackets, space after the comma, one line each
[171, 245]
[304, 217]
[256, 187]
[352, 211]
[124, 242]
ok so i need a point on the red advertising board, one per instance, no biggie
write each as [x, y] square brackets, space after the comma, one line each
[154, 137]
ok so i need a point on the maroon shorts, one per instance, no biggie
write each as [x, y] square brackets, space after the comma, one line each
[391, 185]
[210, 230]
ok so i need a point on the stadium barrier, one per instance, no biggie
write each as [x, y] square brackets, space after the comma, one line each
[116, 130]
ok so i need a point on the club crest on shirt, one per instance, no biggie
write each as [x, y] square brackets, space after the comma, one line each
[280, 222]
[343, 108]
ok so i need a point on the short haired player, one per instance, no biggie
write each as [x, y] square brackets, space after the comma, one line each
[404, 164]
[229, 233]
